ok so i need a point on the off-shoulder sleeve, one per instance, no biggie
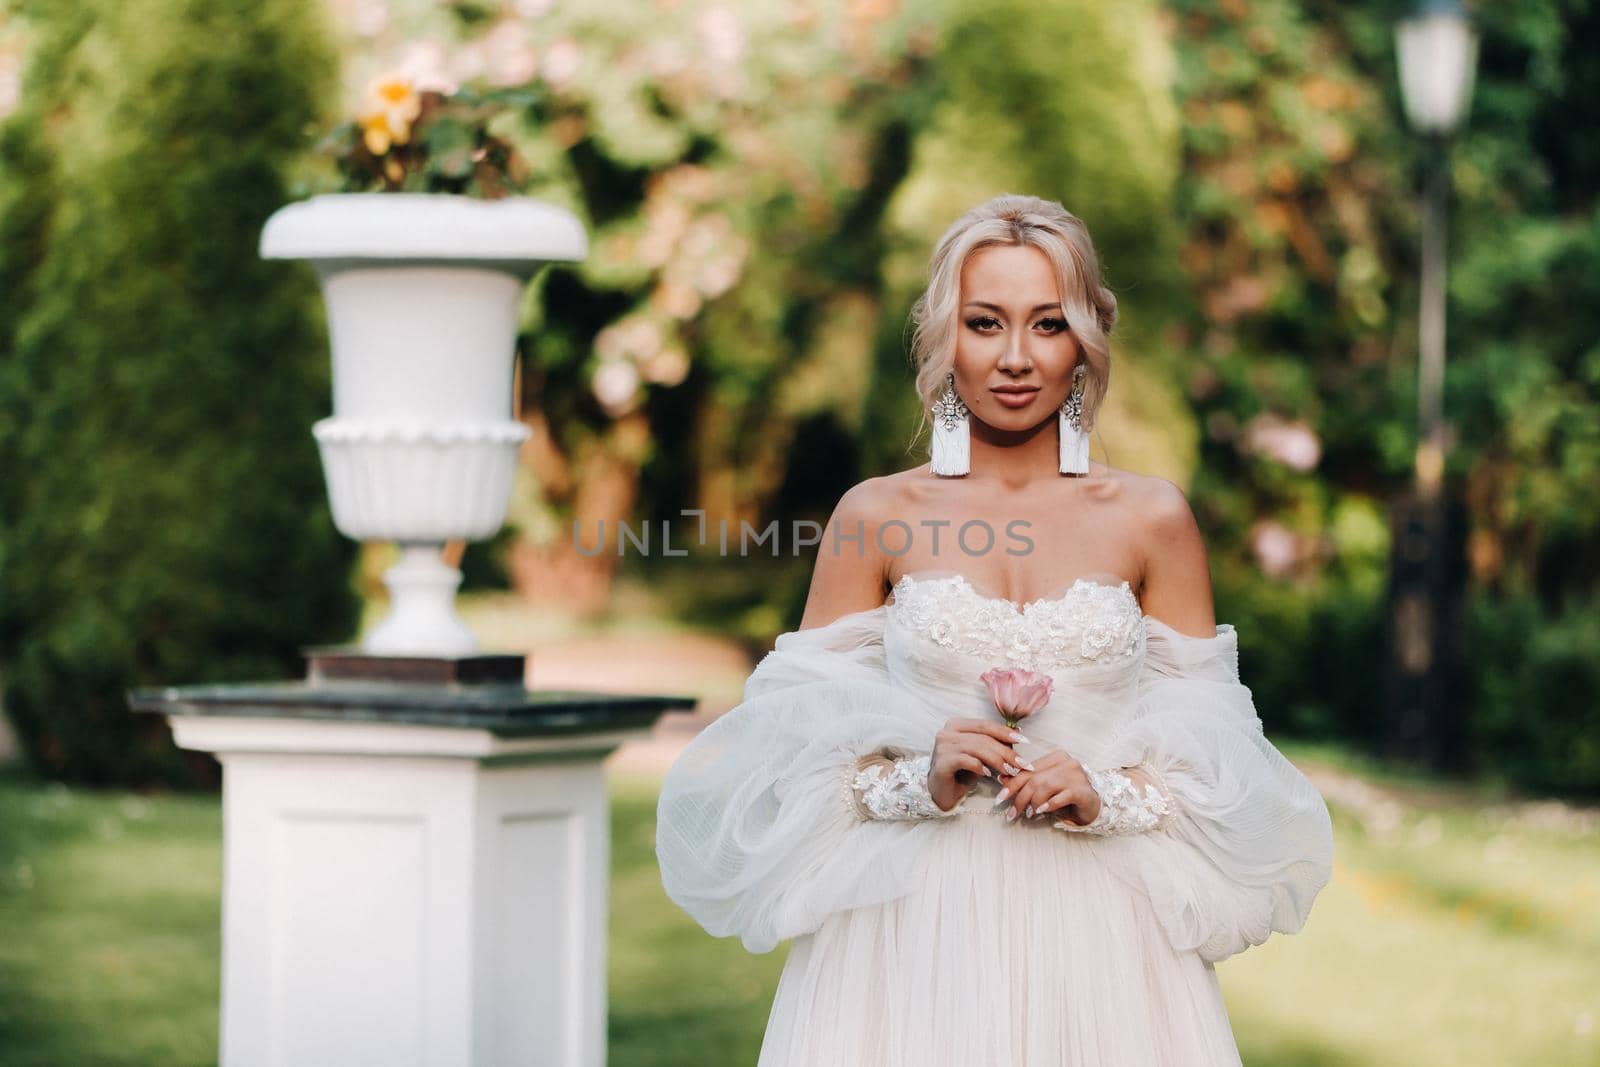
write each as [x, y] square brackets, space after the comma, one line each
[1247, 844]
[757, 830]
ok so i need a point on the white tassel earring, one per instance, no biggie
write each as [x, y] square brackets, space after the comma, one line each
[952, 434]
[1074, 439]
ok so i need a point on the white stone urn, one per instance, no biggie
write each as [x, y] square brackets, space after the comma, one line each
[423, 292]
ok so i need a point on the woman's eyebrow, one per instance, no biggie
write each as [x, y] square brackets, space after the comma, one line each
[997, 307]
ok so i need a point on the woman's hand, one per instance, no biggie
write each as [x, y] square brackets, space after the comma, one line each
[966, 750]
[1058, 783]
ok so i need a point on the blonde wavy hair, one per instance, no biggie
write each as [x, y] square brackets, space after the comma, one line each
[1090, 308]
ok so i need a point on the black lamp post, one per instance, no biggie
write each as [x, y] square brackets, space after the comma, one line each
[1437, 50]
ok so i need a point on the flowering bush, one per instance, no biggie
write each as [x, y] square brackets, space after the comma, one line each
[427, 141]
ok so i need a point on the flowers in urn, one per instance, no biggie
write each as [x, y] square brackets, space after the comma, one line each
[426, 141]
[392, 105]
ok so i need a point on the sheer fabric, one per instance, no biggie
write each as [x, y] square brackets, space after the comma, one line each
[960, 940]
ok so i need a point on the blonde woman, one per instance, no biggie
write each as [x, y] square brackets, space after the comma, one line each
[959, 890]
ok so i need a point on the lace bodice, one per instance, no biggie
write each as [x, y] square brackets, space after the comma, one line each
[943, 623]
[1091, 623]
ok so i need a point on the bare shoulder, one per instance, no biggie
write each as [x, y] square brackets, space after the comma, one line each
[849, 574]
[871, 501]
[1146, 502]
[910, 486]
[1176, 586]
[1162, 506]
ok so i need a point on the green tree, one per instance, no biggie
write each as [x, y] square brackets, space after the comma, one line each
[1302, 218]
[163, 518]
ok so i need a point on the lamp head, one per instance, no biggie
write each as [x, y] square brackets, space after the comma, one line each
[1438, 51]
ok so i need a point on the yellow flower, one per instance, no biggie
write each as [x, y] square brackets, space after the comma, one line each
[375, 132]
[392, 105]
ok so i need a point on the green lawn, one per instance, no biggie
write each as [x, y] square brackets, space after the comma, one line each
[1458, 930]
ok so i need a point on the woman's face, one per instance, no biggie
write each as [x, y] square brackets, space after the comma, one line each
[1014, 351]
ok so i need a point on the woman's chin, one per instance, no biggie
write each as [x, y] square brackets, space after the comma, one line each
[1021, 421]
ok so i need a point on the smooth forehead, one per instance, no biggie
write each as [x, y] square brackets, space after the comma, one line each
[1018, 277]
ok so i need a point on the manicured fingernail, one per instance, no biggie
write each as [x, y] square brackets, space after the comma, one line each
[1017, 737]
[1044, 807]
[1010, 815]
[1001, 799]
[987, 773]
[1030, 811]
[1010, 769]
[1027, 766]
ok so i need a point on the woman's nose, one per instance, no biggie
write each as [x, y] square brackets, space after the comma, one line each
[1013, 358]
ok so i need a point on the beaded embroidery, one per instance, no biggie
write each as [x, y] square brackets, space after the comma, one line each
[902, 793]
[1092, 622]
[1123, 808]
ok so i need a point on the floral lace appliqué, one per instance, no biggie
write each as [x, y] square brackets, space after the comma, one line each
[902, 793]
[1091, 623]
[1124, 807]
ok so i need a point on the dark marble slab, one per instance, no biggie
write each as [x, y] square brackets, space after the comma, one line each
[504, 709]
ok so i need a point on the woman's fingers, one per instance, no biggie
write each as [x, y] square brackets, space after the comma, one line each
[1028, 797]
[1019, 793]
[1001, 758]
[1036, 798]
[997, 730]
[1028, 800]
[1056, 802]
[982, 743]
[968, 762]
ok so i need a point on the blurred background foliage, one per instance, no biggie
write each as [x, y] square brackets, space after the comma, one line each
[763, 183]
[162, 515]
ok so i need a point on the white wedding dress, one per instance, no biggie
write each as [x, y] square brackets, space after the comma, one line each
[963, 938]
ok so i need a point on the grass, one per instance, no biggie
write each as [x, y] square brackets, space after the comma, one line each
[1459, 929]
[109, 927]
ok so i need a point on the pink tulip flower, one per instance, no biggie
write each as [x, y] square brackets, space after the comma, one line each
[1017, 693]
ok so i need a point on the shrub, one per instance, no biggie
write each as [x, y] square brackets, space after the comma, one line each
[163, 518]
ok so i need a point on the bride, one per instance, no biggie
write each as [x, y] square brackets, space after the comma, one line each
[960, 891]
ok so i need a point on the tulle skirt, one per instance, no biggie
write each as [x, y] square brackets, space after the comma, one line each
[1018, 948]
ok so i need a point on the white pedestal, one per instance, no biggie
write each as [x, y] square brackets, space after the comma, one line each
[410, 894]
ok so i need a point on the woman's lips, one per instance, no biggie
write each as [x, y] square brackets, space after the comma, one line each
[1015, 399]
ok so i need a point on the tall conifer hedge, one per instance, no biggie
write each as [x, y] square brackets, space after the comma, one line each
[163, 518]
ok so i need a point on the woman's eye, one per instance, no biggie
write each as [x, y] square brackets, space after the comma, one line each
[988, 322]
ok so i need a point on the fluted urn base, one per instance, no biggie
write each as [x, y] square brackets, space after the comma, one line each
[420, 485]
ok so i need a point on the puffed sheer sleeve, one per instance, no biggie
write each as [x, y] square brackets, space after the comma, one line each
[761, 829]
[1239, 842]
